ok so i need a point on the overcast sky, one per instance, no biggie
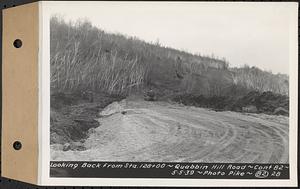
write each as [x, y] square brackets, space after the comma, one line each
[254, 33]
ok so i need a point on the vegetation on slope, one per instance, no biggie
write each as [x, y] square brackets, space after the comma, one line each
[84, 57]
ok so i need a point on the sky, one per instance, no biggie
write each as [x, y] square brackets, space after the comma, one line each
[256, 34]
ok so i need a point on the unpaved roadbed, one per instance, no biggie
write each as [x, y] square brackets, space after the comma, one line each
[137, 130]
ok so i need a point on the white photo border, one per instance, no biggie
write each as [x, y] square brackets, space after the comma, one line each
[46, 10]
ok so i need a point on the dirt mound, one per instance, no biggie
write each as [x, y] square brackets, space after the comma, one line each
[265, 102]
[256, 102]
[113, 108]
[280, 111]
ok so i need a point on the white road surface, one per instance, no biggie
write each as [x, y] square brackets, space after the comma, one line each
[137, 130]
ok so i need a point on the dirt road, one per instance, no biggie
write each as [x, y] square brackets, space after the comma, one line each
[136, 130]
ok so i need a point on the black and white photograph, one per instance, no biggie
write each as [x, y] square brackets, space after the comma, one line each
[170, 82]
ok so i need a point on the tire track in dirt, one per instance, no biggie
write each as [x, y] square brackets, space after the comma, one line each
[160, 131]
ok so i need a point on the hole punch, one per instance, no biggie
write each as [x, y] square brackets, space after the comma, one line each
[18, 43]
[17, 145]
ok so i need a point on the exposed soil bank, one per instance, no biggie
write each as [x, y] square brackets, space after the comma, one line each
[73, 114]
[254, 102]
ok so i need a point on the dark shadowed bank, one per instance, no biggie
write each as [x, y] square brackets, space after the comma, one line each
[73, 114]
[253, 102]
[91, 68]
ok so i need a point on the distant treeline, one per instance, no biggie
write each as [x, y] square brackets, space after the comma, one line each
[84, 57]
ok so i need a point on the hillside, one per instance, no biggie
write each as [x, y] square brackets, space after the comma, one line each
[84, 57]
